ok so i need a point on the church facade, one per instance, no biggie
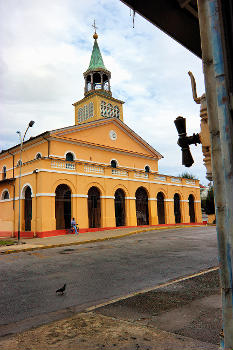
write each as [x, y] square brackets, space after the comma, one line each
[98, 171]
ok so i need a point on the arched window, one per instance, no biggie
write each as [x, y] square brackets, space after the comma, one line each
[96, 81]
[147, 169]
[63, 206]
[142, 211]
[5, 195]
[4, 172]
[38, 155]
[27, 208]
[177, 212]
[191, 208]
[160, 208]
[120, 207]
[113, 163]
[94, 207]
[69, 157]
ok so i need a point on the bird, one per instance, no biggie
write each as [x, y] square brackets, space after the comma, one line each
[61, 290]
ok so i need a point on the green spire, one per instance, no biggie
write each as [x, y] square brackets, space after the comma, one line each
[96, 61]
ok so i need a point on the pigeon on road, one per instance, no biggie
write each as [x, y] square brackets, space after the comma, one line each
[61, 290]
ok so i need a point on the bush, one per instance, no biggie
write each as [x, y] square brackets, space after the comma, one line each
[186, 175]
[208, 203]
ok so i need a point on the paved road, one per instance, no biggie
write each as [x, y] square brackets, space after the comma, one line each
[98, 272]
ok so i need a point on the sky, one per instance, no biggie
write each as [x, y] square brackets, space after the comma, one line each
[46, 46]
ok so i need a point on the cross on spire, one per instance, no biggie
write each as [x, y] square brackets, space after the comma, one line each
[94, 26]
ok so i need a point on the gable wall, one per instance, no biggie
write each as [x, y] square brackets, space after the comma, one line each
[100, 134]
[95, 155]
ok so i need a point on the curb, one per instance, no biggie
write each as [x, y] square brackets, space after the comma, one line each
[156, 287]
[10, 251]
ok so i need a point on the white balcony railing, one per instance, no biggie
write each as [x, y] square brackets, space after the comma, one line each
[176, 180]
[190, 182]
[120, 172]
[93, 169]
[141, 175]
[160, 178]
[59, 164]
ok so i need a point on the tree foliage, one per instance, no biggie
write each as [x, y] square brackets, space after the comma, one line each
[187, 175]
[208, 203]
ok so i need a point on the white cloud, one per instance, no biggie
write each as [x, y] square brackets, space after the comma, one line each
[46, 47]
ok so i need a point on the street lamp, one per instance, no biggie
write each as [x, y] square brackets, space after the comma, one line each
[31, 123]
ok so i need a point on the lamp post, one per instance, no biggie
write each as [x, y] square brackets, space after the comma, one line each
[31, 123]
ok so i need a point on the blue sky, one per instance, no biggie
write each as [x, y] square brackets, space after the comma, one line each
[45, 48]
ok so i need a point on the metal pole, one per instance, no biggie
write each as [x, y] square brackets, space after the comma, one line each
[220, 126]
[20, 166]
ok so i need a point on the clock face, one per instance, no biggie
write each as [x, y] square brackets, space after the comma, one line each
[112, 135]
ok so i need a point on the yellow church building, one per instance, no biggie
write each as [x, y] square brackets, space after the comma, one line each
[98, 171]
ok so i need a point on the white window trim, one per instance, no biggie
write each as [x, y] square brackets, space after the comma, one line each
[115, 160]
[3, 192]
[148, 167]
[23, 190]
[2, 169]
[37, 154]
[71, 153]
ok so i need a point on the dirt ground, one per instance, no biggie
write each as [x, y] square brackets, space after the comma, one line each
[93, 331]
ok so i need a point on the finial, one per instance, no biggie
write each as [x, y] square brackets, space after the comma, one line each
[95, 35]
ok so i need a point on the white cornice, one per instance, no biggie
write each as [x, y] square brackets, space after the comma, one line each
[45, 195]
[79, 195]
[108, 177]
[101, 163]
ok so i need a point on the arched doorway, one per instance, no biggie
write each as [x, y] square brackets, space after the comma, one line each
[177, 208]
[63, 207]
[28, 208]
[94, 209]
[191, 208]
[120, 207]
[160, 208]
[142, 207]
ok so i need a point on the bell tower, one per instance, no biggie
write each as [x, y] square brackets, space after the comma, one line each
[97, 77]
[98, 102]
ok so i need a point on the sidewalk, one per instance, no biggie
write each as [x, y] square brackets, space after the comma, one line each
[82, 238]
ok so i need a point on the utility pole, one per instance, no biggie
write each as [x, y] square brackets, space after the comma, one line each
[221, 135]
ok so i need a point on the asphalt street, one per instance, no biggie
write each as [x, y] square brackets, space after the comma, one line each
[101, 271]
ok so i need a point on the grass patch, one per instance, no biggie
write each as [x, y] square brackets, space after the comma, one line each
[6, 242]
